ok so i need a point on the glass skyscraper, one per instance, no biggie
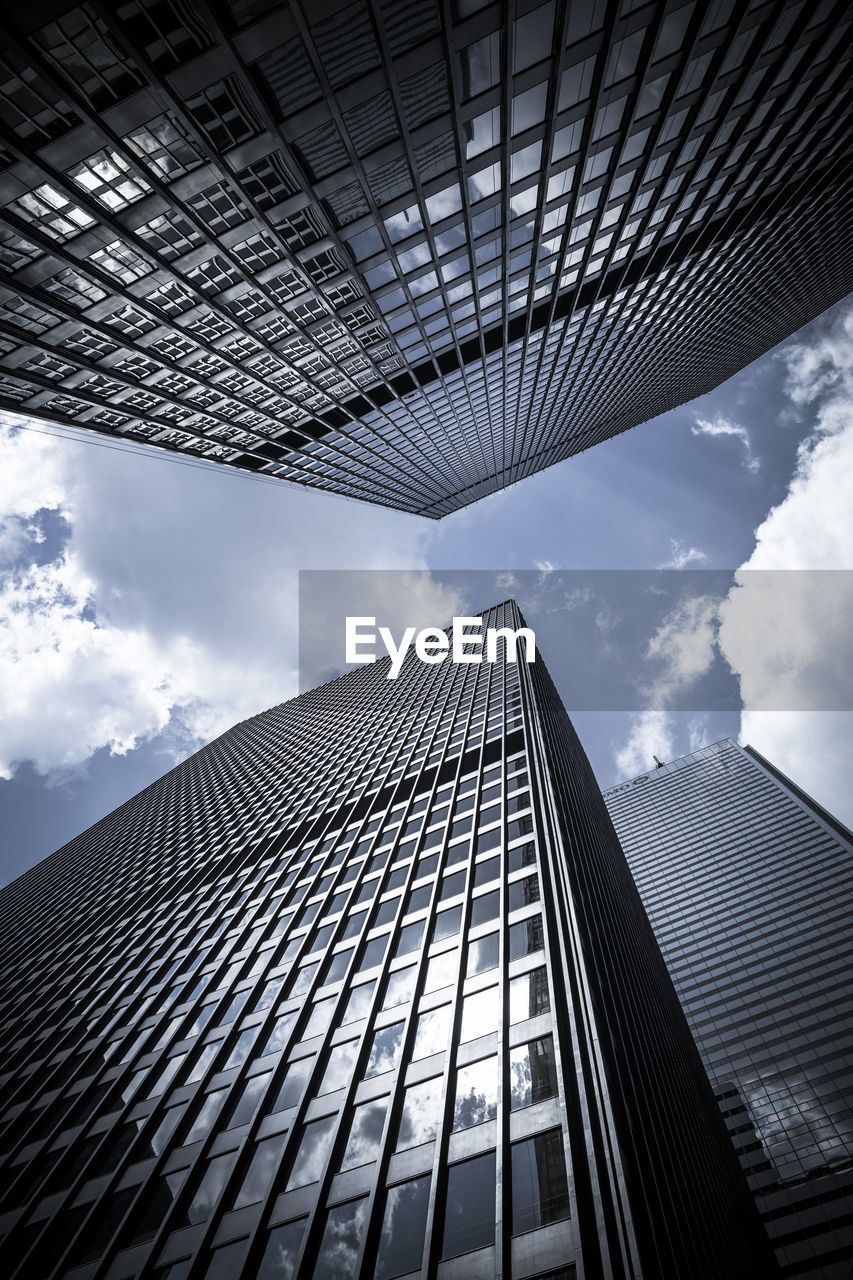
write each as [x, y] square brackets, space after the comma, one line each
[406, 251]
[749, 887]
[363, 988]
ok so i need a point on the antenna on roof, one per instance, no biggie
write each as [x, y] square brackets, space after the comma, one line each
[658, 763]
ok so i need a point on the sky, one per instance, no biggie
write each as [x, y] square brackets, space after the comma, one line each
[146, 605]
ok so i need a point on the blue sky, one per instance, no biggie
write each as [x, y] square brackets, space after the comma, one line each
[145, 605]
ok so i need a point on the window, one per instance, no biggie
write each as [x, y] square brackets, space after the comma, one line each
[261, 1171]
[480, 1014]
[532, 1072]
[523, 892]
[340, 1067]
[469, 1212]
[540, 1192]
[337, 1258]
[401, 1243]
[385, 1050]
[485, 908]
[476, 1093]
[293, 1084]
[526, 938]
[400, 987]
[421, 1113]
[313, 1150]
[282, 1251]
[209, 1189]
[207, 1116]
[432, 1032]
[483, 954]
[528, 995]
[365, 1135]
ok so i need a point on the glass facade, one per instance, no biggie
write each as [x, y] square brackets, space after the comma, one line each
[749, 887]
[254, 1022]
[404, 251]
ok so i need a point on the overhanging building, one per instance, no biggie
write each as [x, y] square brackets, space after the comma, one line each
[364, 987]
[749, 886]
[403, 251]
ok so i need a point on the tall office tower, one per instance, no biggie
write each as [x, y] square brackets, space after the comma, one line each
[749, 887]
[404, 250]
[363, 988]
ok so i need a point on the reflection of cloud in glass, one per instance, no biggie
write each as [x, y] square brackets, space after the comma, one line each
[385, 1050]
[520, 1083]
[311, 1157]
[339, 1248]
[421, 1113]
[339, 1070]
[403, 1229]
[365, 1134]
[433, 1028]
[799, 1130]
[358, 1003]
[476, 1093]
[400, 987]
[480, 1014]
[441, 971]
[282, 1250]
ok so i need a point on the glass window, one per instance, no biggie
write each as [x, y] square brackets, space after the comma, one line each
[532, 1073]
[523, 855]
[483, 954]
[486, 871]
[373, 953]
[401, 1243]
[469, 1213]
[313, 1149]
[441, 971]
[400, 987]
[261, 1171]
[523, 892]
[526, 938]
[447, 923]
[385, 1050]
[340, 1067]
[451, 885]
[206, 1117]
[410, 938]
[485, 908]
[432, 1032]
[251, 1094]
[282, 1251]
[209, 1188]
[339, 1249]
[358, 1003]
[293, 1085]
[481, 65]
[528, 995]
[365, 1135]
[476, 1093]
[226, 1261]
[480, 1014]
[321, 1017]
[421, 1113]
[540, 1192]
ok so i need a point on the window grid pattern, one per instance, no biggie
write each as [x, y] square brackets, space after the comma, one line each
[747, 884]
[558, 225]
[320, 976]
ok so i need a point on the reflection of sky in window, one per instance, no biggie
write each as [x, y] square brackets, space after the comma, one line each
[365, 1134]
[261, 1171]
[421, 1113]
[210, 1188]
[342, 1236]
[480, 1014]
[400, 987]
[441, 971]
[279, 1260]
[433, 1029]
[385, 1050]
[313, 1149]
[358, 1003]
[403, 1229]
[476, 1093]
[321, 1016]
[528, 995]
[483, 954]
[340, 1068]
[532, 1073]
[469, 1220]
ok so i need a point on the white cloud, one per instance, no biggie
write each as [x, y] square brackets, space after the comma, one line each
[790, 635]
[651, 734]
[682, 648]
[720, 426]
[680, 555]
[170, 603]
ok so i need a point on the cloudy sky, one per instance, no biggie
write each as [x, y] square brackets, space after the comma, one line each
[146, 605]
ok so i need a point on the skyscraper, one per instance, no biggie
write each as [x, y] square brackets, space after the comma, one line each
[364, 987]
[749, 886]
[404, 251]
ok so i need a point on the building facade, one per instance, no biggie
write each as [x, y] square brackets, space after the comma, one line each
[749, 886]
[403, 250]
[363, 988]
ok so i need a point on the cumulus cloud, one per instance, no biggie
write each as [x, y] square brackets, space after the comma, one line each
[789, 635]
[651, 734]
[681, 649]
[162, 599]
[720, 426]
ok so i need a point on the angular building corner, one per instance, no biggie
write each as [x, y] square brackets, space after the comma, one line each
[748, 884]
[361, 988]
[408, 252]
